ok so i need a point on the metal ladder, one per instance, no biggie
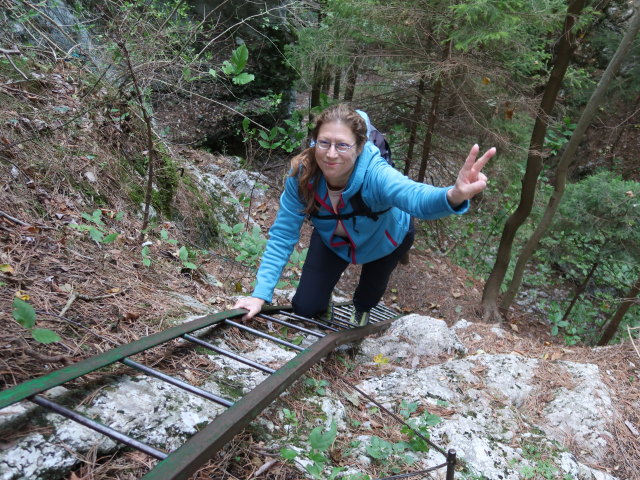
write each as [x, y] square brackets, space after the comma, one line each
[201, 447]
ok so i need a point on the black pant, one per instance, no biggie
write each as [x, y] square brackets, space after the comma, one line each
[322, 270]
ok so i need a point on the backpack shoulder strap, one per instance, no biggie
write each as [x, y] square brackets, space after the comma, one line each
[360, 209]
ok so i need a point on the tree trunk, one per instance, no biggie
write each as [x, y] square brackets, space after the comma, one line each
[417, 114]
[326, 80]
[580, 290]
[568, 156]
[566, 47]
[336, 83]
[431, 123]
[352, 77]
[316, 83]
[614, 323]
[433, 117]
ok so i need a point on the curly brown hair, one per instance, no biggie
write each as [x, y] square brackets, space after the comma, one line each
[304, 165]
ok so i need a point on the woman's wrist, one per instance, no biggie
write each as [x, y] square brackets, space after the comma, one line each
[455, 198]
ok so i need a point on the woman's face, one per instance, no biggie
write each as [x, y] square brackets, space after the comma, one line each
[336, 166]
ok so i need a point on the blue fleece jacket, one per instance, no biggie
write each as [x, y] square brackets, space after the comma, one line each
[381, 187]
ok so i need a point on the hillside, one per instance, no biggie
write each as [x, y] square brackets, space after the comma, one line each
[66, 154]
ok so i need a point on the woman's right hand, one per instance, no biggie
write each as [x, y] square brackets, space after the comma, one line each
[252, 304]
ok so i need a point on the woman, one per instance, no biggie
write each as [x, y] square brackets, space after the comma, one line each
[329, 182]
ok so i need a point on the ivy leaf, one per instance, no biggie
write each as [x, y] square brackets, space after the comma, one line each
[322, 441]
[44, 335]
[23, 313]
[110, 238]
[288, 454]
[431, 420]
[183, 253]
[96, 234]
[190, 265]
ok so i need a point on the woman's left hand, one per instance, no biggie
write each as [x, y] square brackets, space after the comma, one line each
[471, 180]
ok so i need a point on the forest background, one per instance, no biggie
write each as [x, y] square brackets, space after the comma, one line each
[105, 105]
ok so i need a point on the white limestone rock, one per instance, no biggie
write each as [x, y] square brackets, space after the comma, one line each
[411, 336]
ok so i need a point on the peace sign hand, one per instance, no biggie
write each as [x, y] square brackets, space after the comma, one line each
[471, 180]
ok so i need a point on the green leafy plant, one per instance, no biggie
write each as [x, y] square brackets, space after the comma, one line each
[558, 136]
[407, 408]
[234, 67]
[288, 137]
[318, 386]
[420, 425]
[294, 266]
[164, 236]
[396, 454]
[320, 442]
[25, 315]
[541, 456]
[146, 256]
[381, 449]
[249, 245]
[290, 416]
[185, 254]
[96, 227]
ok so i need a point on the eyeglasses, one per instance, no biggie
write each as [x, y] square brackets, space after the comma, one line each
[340, 147]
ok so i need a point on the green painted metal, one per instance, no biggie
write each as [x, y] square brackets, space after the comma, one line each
[187, 459]
[59, 377]
[200, 448]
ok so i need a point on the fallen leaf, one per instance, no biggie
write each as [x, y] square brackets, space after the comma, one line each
[31, 229]
[21, 295]
[114, 290]
[514, 327]
[6, 268]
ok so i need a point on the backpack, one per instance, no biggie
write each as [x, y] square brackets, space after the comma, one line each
[379, 141]
[360, 208]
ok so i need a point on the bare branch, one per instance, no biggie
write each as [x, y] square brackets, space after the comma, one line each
[13, 219]
[15, 67]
